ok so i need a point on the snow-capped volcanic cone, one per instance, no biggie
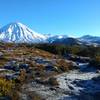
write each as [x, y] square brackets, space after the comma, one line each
[19, 33]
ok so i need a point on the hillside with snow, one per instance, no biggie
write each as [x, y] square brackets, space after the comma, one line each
[17, 32]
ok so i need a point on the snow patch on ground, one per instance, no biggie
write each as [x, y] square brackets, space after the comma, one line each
[73, 85]
[79, 83]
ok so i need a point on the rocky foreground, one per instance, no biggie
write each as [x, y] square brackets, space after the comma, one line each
[28, 73]
[80, 84]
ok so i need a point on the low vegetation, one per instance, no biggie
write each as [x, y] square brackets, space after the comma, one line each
[38, 62]
[53, 81]
[76, 50]
[6, 87]
[23, 63]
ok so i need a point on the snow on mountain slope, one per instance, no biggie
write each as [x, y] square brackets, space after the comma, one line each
[90, 39]
[17, 32]
[52, 38]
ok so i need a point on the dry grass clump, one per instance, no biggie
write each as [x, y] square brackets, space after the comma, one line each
[2, 63]
[63, 65]
[42, 53]
[22, 76]
[40, 67]
[53, 81]
[6, 87]
[34, 96]
[95, 62]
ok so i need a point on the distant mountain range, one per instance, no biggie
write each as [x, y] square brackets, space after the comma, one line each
[18, 33]
[90, 39]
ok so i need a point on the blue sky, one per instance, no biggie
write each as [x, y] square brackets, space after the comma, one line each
[70, 17]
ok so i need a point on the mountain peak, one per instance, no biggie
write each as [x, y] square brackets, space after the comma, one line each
[14, 24]
[18, 32]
